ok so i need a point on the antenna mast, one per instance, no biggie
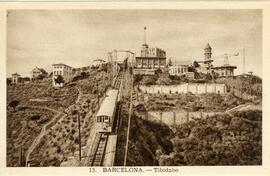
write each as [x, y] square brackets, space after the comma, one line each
[244, 61]
[144, 35]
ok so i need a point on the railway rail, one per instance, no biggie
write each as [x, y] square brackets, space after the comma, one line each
[99, 150]
[118, 81]
[101, 139]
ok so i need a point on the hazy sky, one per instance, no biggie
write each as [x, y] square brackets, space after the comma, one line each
[76, 37]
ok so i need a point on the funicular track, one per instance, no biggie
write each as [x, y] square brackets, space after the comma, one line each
[99, 150]
[101, 139]
[118, 80]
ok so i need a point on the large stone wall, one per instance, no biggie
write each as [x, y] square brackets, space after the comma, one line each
[176, 117]
[195, 88]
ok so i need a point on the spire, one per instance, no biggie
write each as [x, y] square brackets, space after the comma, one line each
[144, 35]
[207, 46]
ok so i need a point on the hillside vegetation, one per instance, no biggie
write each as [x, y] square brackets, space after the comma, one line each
[190, 102]
[228, 139]
[220, 140]
[61, 141]
[37, 103]
[23, 125]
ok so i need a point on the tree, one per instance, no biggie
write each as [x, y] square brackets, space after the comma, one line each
[196, 64]
[59, 79]
[22, 108]
[14, 104]
[41, 77]
[26, 79]
[169, 62]
[84, 75]
[35, 118]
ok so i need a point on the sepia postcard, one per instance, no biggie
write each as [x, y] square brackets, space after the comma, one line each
[158, 88]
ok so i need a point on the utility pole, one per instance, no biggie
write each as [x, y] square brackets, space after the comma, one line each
[80, 146]
[129, 121]
[21, 156]
[144, 38]
[98, 93]
[244, 61]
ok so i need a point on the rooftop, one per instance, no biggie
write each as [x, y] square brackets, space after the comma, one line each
[207, 46]
[15, 74]
[61, 64]
[225, 67]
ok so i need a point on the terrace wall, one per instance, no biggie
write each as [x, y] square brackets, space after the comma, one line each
[195, 88]
[176, 117]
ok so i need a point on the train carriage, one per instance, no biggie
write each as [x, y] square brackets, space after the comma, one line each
[106, 113]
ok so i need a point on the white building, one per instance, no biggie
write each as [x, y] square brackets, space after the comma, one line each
[178, 70]
[36, 72]
[62, 70]
[98, 62]
[15, 78]
[225, 70]
[181, 69]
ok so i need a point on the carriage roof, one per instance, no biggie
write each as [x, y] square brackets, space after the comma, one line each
[108, 105]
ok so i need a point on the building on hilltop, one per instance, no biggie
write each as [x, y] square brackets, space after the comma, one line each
[37, 73]
[62, 74]
[15, 78]
[97, 63]
[181, 69]
[206, 64]
[150, 58]
[225, 70]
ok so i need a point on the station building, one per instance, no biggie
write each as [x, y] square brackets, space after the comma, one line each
[151, 58]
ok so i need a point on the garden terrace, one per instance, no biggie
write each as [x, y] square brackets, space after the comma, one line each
[23, 125]
[202, 102]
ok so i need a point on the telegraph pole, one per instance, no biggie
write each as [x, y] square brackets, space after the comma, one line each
[80, 146]
[21, 156]
[98, 93]
[244, 61]
[129, 121]
[144, 38]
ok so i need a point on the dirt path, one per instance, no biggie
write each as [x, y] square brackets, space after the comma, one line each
[41, 134]
[244, 107]
[58, 116]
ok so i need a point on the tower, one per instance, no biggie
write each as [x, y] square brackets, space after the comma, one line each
[144, 50]
[207, 52]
